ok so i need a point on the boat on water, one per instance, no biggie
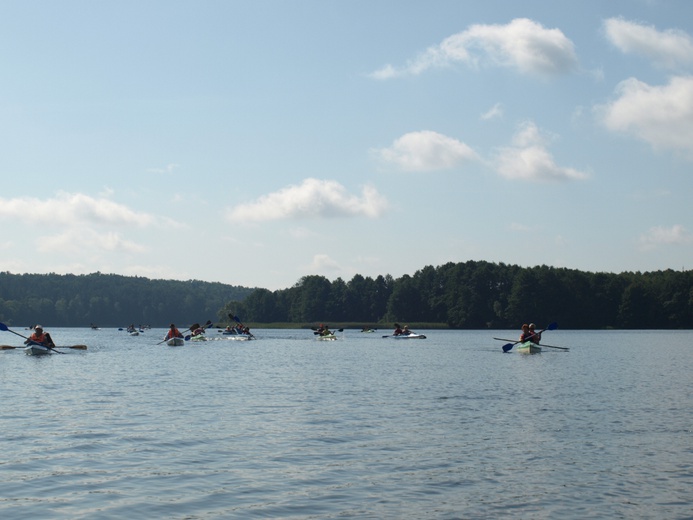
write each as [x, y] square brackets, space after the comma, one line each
[175, 342]
[326, 337]
[38, 350]
[199, 337]
[406, 336]
[527, 347]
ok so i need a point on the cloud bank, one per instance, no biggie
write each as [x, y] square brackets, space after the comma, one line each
[313, 198]
[77, 208]
[522, 44]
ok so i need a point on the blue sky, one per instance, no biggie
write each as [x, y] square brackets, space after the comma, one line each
[256, 142]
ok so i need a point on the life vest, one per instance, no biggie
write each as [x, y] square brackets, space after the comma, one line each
[39, 338]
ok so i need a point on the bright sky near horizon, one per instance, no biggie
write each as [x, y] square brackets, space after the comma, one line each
[255, 142]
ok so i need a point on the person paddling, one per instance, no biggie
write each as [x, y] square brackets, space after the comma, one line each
[536, 336]
[529, 334]
[173, 332]
[40, 337]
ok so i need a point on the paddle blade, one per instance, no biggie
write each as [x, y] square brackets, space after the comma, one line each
[3, 327]
[507, 347]
[78, 347]
[552, 326]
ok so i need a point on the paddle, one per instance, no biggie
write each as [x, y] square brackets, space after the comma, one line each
[541, 344]
[508, 346]
[193, 326]
[4, 327]
[76, 347]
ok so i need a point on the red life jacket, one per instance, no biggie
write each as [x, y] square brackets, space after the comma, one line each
[39, 338]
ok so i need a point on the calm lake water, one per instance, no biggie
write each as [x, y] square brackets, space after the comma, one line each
[362, 427]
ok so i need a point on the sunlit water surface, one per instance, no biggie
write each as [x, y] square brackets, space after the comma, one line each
[362, 427]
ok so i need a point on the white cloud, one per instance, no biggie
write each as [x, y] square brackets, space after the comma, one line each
[77, 208]
[425, 151]
[301, 233]
[659, 115]
[522, 44]
[656, 236]
[79, 240]
[529, 159]
[168, 169]
[314, 198]
[494, 112]
[322, 263]
[667, 49]
[521, 228]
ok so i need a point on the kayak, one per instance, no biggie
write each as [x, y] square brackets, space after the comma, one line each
[37, 350]
[199, 337]
[175, 342]
[406, 336]
[326, 337]
[528, 347]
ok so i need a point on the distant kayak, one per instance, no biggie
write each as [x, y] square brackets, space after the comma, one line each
[406, 336]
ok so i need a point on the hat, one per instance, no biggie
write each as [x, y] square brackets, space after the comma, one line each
[532, 325]
[38, 327]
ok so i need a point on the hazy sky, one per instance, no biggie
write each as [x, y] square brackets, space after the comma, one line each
[255, 142]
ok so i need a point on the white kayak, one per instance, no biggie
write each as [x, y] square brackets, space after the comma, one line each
[326, 337]
[37, 350]
[406, 336]
[175, 342]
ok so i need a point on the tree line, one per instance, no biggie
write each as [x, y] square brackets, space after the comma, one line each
[109, 300]
[478, 295]
[469, 295]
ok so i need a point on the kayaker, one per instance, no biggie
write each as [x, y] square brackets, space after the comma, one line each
[173, 332]
[40, 337]
[537, 335]
[398, 330]
[406, 331]
[527, 335]
[325, 331]
[199, 331]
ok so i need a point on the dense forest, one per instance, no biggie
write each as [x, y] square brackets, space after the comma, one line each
[477, 295]
[470, 295]
[109, 300]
